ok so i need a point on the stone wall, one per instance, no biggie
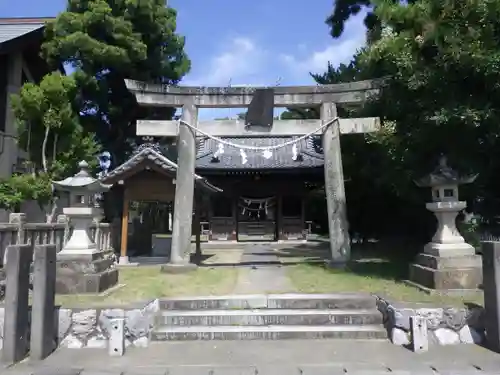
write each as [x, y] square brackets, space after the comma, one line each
[91, 328]
[446, 326]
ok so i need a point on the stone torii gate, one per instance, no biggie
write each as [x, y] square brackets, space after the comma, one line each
[192, 98]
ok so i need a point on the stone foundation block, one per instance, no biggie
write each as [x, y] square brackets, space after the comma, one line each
[73, 282]
[445, 326]
[446, 278]
[442, 263]
[93, 328]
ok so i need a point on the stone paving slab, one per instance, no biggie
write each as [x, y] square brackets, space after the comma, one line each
[305, 357]
[261, 278]
[186, 370]
[258, 371]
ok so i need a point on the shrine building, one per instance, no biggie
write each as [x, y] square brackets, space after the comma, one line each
[238, 198]
[264, 196]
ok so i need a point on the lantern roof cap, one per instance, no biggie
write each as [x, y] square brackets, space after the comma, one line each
[444, 175]
[82, 180]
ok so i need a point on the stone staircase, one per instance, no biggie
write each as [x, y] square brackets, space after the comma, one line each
[269, 317]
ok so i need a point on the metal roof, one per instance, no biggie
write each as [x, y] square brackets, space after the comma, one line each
[12, 28]
[281, 158]
[149, 153]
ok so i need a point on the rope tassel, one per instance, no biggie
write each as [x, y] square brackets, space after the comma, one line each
[220, 148]
[295, 152]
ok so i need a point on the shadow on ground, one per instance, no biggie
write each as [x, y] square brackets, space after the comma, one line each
[386, 259]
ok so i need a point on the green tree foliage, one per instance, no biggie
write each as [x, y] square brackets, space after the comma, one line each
[441, 97]
[107, 41]
[443, 93]
[344, 9]
[51, 134]
[64, 119]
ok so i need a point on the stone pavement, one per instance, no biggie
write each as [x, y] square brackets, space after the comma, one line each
[262, 272]
[311, 357]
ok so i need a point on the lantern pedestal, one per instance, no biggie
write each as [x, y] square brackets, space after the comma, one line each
[448, 264]
[82, 266]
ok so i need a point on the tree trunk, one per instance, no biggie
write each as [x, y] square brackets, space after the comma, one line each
[52, 207]
[44, 149]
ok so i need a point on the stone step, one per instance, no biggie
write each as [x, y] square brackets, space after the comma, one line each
[263, 317]
[337, 301]
[277, 332]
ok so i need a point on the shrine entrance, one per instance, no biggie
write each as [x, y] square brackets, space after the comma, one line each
[149, 221]
[257, 219]
[243, 136]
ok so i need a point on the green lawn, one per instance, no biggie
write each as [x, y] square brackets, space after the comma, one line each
[309, 278]
[377, 268]
[147, 282]
[372, 270]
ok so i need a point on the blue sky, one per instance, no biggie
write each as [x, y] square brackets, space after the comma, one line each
[246, 42]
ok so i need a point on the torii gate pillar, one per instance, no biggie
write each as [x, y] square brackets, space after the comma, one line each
[184, 194]
[338, 226]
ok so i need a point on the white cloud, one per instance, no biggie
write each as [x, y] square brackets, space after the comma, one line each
[239, 62]
[337, 52]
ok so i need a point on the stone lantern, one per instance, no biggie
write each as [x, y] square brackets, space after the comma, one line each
[448, 262]
[82, 266]
[82, 212]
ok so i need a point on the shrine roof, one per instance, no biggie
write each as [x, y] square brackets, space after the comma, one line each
[311, 154]
[148, 157]
[13, 29]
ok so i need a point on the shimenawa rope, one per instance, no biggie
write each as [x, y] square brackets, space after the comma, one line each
[260, 148]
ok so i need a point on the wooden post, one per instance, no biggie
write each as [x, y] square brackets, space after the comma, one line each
[197, 227]
[303, 216]
[334, 187]
[279, 217]
[124, 240]
[235, 229]
[184, 193]
[210, 218]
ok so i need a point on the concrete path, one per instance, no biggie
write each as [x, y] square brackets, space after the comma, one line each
[311, 357]
[261, 272]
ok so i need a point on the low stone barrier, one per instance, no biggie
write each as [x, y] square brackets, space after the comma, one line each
[91, 328]
[445, 326]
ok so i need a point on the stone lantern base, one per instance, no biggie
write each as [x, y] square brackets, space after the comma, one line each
[447, 269]
[85, 273]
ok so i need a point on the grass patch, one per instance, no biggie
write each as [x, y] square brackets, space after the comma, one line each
[377, 267]
[147, 282]
[377, 277]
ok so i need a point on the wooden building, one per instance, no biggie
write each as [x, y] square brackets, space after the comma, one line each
[149, 177]
[264, 196]
[250, 198]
